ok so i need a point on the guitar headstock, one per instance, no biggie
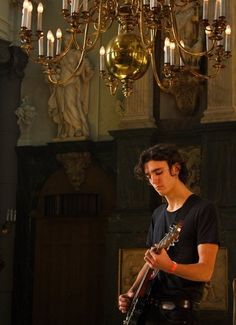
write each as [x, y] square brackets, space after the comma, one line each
[171, 237]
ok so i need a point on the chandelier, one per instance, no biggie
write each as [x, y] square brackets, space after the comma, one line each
[142, 26]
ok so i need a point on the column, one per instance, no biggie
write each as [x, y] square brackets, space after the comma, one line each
[221, 90]
[138, 112]
[12, 63]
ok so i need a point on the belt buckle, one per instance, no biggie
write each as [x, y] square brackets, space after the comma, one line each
[185, 304]
[167, 305]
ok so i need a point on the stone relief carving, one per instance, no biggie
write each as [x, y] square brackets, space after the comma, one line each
[186, 93]
[75, 165]
[26, 114]
[192, 157]
[68, 103]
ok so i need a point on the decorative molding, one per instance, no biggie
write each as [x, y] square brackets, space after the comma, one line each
[75, 165]
[219, 114]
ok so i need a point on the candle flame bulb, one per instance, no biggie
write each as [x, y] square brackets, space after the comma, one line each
[58, 33]
[228, 30]
[40, 8]
[49, 35]
[102, 50]
[25, 4]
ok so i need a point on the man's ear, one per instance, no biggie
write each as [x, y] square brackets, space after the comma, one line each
[175, 169]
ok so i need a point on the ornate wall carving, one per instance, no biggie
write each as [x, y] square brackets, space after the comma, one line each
[75, 164]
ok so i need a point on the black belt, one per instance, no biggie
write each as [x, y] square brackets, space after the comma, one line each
[172, 304]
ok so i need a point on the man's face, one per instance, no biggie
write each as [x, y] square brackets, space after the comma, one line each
[161, 177]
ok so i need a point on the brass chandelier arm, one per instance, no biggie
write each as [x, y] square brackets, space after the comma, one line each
[62, 82]
[145, 43]
[205, 77]
[135, 7]
[155, 73]
[174, 29]
[97, 28]
[66, 50]
[66, 80]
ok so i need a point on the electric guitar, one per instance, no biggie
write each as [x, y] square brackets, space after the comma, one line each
[141, 296]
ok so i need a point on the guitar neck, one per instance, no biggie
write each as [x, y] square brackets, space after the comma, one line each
[142, 288]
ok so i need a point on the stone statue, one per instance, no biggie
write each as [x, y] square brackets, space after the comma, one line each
[68, 103]
[190, 31]
[26, 115]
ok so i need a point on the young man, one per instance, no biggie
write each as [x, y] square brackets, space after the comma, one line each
[181, 271]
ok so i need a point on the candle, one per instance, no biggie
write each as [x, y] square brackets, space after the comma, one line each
[221, 10]
[153, 4]
[208, 33]
[181, 63]
[85, 5]
[40, 44]
[40, 14]
[205, 10]
[167, 50]
[217, 9]
[64, 4]
[14, 219]
[152, 35]
[172, 53]
[76, 4]
[102, 58]
[24, 13]
[227, 38]
[72, 6]
[49, 37]
[29, 15]
[51, 52]
[58, 36]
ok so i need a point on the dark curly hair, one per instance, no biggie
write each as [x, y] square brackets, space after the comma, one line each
[159, 152]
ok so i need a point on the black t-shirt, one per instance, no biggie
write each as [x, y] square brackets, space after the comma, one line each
[200, 226]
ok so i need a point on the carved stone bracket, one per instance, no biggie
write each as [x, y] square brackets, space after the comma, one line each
[192, 157]
[186, 94]
[75, 165]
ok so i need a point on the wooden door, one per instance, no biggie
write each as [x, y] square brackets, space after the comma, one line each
[69, 269]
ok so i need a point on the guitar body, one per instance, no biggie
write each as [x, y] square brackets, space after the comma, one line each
[141, 297]
[140, 301]
[134, 314]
